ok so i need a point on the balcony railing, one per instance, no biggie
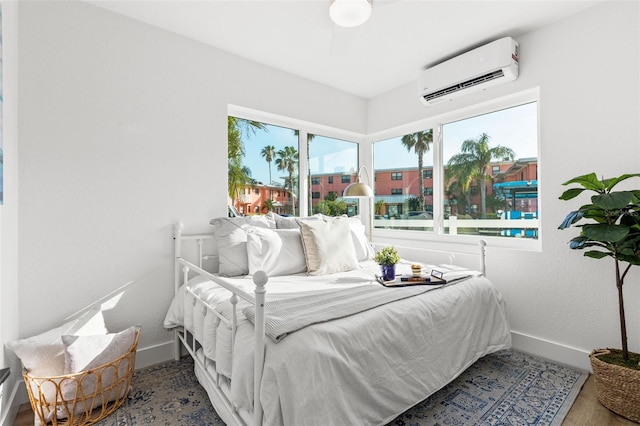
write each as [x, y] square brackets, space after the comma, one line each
[526, 228]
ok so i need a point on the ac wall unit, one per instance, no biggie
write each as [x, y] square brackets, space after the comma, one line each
[480, 68]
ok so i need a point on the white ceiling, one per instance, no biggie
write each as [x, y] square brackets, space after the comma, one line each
[401, 37]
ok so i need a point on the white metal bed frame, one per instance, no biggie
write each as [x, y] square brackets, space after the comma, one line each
[224, 407]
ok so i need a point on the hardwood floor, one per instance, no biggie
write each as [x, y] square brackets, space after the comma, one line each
[586, 411]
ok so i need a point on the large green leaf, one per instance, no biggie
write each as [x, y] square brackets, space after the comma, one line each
[589, 181]
[612, 200]
[605, 232]
[596, 254]
[610, 183]
[571, 193]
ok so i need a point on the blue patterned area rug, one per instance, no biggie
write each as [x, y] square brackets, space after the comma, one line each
[505, 388]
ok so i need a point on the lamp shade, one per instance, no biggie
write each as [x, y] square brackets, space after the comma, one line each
[358, 190]
[350, 13]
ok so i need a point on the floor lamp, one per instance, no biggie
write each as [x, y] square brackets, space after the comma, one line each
[359, 189]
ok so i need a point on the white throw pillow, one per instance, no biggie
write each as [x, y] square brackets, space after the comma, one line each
[283, 222]
[231, 238]
[328, 246]
[275, 251]
[89, 353]
[43, 355]
[364, 250]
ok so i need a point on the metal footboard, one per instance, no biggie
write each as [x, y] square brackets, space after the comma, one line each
[183, 269]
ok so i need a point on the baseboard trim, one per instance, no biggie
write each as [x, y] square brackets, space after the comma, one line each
[13, 405]
[556, 352]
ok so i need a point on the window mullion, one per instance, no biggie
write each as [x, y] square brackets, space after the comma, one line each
[438, 181]
[303, 173]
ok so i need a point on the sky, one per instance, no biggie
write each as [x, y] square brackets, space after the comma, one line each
[515, 128]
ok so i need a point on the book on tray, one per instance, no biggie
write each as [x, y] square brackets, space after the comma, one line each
[407, 280]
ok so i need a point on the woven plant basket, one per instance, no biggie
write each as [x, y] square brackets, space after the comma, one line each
[618, 387]
[82, 398]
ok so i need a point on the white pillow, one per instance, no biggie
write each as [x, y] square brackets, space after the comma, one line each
[364, 250]
[231, 238]
[275, 251]
[85, 353]
[328, 246]
[43, 355]
[292, 222]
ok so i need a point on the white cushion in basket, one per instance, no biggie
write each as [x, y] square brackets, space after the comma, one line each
[43, 355]
[328, 246]
[85, 353]
[275, 251]
[231, 238]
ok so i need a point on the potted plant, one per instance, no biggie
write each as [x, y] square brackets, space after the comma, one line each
[387, 259]
[610, 228]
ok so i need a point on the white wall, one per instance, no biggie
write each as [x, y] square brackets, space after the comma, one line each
[9, 209]
[123, 131]
[587, 69]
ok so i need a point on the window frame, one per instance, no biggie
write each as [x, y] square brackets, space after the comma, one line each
[412, 238]
[304, 128]
[365, 158]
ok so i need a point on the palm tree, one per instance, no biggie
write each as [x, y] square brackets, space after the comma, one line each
[269, 153]
[287, 160]
[420, 142]
[269, 205]
[239, 175]
[472, 162]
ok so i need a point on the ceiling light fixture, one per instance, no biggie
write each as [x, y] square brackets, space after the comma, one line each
[350, 13]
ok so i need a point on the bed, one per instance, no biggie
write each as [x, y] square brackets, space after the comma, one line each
[295, 328]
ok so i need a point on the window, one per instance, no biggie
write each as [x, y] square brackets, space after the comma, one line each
[315, 195]
[259, 155]
[315, 181]
[399, 182]
[330, 156]
[485, 178]
[491, 172]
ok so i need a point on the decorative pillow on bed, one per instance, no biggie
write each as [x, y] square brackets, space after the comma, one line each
[275, 251]
[363, 248]
[328, 246]
[283, 222]
[231, 238]
[43, 355]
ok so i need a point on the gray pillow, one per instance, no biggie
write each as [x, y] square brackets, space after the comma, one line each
[231, 237]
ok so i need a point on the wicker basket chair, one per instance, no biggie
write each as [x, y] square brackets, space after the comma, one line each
[82, 398]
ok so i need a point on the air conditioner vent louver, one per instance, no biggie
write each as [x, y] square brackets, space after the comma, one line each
[477, 69]
[470, 83]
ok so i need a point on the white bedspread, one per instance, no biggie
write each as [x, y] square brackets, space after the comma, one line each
[362, 369]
